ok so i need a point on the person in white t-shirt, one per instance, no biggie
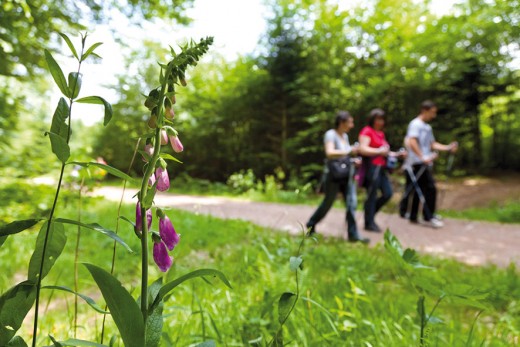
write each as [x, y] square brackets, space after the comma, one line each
[337, 146]
[422, 152]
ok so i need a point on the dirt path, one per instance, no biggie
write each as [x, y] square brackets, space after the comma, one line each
[472, 242]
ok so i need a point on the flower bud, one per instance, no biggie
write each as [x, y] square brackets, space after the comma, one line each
[152, 122]
[169, 113]
[148, 149]
[164, 137]
[176, 144]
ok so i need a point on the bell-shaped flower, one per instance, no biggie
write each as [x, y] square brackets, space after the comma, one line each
[148, 149]
[167, 232]
[161, 256]
[138, 218]
[164, 137]
[176, 143]
[163, 181]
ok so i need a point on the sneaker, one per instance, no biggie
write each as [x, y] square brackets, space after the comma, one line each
[437, 216]
[373, 227]
[434, 223]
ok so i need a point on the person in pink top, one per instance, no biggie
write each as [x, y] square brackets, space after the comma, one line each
[375, 150]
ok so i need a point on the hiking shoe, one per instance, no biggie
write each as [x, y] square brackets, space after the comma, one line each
[434, 223]
[437, 216]
[373, 227]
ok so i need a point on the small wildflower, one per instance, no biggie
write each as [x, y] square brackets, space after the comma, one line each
[138, 218]
[164, 137]
[167, 232]
[161, 256]
[163, 181]
[176, 143]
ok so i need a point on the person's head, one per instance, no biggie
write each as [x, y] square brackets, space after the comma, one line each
[376, 119]
[344, 121]
[428, 110]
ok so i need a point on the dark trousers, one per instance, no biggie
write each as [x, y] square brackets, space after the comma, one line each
[427, 185]
[404, 205]
[377, 181]
[331, 190]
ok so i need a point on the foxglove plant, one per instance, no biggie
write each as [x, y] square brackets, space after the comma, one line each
[139, 323]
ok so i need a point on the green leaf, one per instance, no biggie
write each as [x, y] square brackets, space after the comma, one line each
[87, 299]
[57, 74]
[14, 306]
[147, 202]
[59, 146]
[194, 274]
[154, 324]
[169, 157]
[295, 263]
[69, 43]
[97, 100]
[285, 305]
[209, 343]
[79, 343]
[56, 343]
[420, 308]
[18, 226]
[17, 341]
[2, 240]
[122, 306]
[56, 241]
[74, 84]
[111, 170]
[58, 124]
[90, 50]
[98, 228]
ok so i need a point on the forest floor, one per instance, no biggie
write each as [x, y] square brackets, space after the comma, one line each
[472, 242]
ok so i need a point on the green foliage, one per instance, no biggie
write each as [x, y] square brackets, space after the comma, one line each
[349, 293]
[507, 212]
[122, 306]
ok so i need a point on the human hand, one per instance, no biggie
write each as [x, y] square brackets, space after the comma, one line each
[430, 158]
[454, 146]
[384, 150]
[355, 149]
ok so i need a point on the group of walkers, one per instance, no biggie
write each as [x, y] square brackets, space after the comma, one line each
[368, 163]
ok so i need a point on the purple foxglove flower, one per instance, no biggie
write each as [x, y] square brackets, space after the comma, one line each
[148, 149]
[163, 181]
[161, 256]
[176, 144]
[164, 137]
[167, 232]
[138, 218]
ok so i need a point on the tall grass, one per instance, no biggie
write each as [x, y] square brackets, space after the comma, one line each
[351, 294]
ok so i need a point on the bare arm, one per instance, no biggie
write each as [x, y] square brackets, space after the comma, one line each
[366, 150]
[414, 146]
[332, 153]
[452, 147]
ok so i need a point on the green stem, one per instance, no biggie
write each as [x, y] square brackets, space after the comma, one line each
[142, 195]
[76, 257]
[51, 215]
[423, 323]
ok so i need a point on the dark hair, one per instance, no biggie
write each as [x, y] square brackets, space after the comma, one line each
[342, 116]
[375, 113]
[427, 105]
